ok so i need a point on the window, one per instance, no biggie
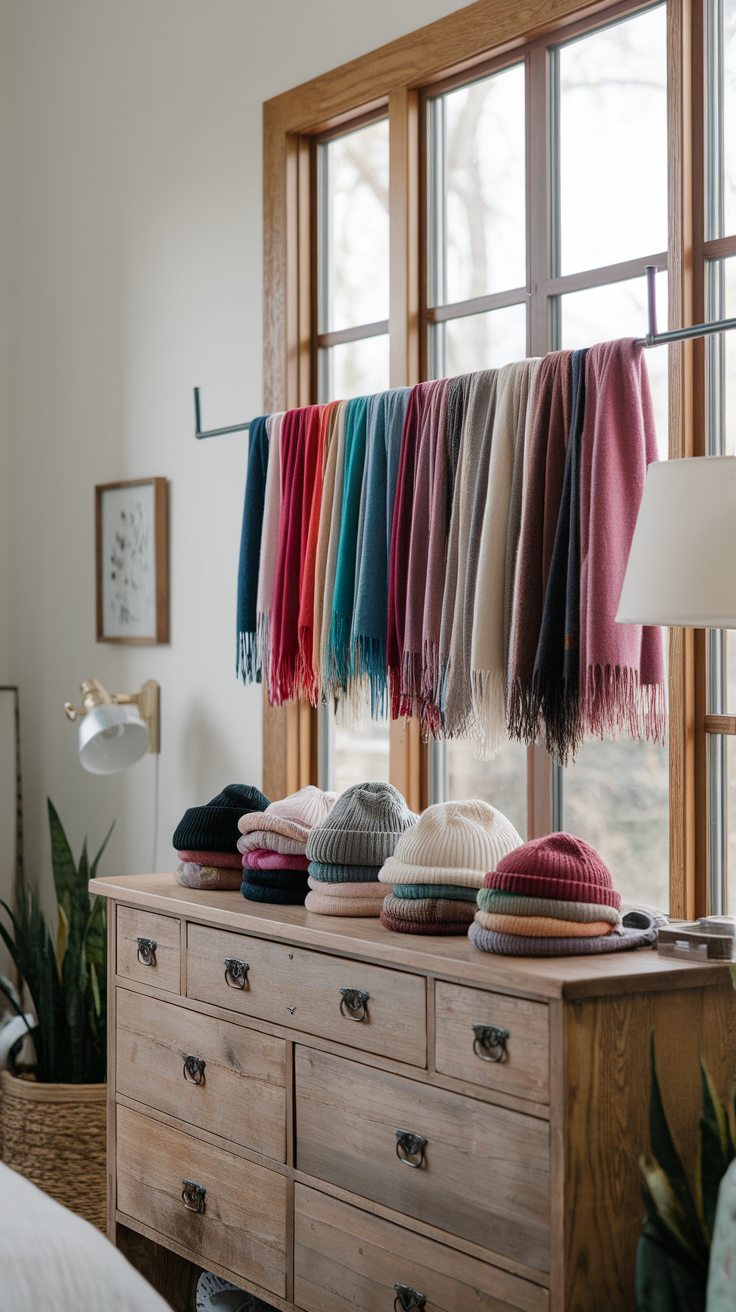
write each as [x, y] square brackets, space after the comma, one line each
[498, 243]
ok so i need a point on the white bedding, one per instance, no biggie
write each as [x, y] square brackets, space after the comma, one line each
[52, 1261]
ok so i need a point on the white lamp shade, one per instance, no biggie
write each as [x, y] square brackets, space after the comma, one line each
[111, 738]
[682, 563]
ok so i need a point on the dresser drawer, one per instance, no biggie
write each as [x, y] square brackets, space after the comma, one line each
[158, 965]
[459, 1050]
[302, 989]
[240, 1090]
[243, 1224]
[484, 1172]
[346, 1260]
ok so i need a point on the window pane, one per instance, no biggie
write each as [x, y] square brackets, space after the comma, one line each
[613, 143]
[616, 796]
[478, 188]
[354, 369]
[721, 359]
[354, 228]
[478, 341]
[720, 200]
[620, 310]
[361, 755]
[502, 781]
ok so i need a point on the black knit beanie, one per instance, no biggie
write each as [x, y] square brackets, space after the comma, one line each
[214, 827]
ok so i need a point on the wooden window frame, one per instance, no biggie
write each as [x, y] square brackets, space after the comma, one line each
[396, 78]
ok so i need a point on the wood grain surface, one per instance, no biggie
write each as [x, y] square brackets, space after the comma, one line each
[242, 1097]
[486, 1169]
[346, 1260]
[165, 932]
[302, 988]
[524, 1069]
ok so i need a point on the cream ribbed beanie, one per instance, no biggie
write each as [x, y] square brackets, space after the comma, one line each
[293, 817]
[454, 843]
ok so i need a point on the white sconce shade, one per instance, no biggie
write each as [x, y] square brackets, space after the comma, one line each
[682, 564]
[111, 738]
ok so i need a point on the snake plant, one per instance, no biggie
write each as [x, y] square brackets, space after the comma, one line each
[66, 977]
[674, 1248]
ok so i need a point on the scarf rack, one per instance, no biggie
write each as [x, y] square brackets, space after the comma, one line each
[653, 338]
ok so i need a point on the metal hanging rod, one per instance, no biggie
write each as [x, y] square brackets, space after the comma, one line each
[653, 338]
[213, 432]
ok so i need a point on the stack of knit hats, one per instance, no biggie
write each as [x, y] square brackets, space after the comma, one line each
[347, 850]
[554, 897]
[206, 838]
[438, 867]
[273, 844]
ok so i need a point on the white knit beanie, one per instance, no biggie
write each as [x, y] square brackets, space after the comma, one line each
[454, 843]
[293, 817]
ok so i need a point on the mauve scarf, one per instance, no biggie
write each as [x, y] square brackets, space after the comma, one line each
[429, 507]
[269, 543]
[556, 683]
[385, 422]
[299, 449]
[489, 649]
[250, 550]
[329, 544]
[306, 682]
[338, 669]
[401, 541]
[544, 471]
[622, 682]
[458, 605]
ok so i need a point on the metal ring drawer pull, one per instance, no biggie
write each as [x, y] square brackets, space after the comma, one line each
[354, 1004]
[491, 1040]
[411, 1145]
[192, 1196]
[408, 1299]
[147, 951]
[194, 1069]
[236, 973]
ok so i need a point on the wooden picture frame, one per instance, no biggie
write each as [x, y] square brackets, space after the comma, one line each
[132, 561]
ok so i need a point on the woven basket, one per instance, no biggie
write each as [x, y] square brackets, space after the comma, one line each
[55, 1135]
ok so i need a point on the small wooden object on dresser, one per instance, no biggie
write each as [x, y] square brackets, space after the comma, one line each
[341, 1119]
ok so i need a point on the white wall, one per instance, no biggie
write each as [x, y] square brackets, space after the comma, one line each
[132, 187]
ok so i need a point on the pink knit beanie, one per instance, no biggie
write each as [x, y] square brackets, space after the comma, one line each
[293, 817]
[559, 866]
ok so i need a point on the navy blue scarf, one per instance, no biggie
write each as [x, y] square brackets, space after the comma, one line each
[250, 550]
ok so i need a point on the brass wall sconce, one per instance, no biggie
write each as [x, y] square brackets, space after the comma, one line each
[117, 728]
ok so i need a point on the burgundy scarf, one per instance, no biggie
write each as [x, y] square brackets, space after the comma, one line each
[622, 680]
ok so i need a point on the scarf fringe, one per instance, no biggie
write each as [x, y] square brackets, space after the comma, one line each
[489, 705]
[368, 662]
[263, 624]
[336, 666]
[522, 713]
[558, 701]
[246, 660]
[615, 701]
[306, 687]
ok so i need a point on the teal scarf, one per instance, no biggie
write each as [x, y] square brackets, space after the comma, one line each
[338, 652]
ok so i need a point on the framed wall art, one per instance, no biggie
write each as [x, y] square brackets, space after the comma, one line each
[132, 548]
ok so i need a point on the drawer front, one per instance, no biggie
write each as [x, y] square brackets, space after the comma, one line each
[238, 1092]
[243, 1225]
[484, 1173]
[295, 987]
[346, 1260]
[159, 965]
[523, 1068]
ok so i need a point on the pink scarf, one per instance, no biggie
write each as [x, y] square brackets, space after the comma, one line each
[622, 681]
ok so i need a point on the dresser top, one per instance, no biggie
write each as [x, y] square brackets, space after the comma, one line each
[365, 939]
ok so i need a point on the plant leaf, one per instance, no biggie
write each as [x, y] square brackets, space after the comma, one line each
[668, 1158]
[93, 868]
[62, 934]
[666, 1206]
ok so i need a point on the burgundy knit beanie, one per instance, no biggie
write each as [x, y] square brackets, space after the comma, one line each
[559, 866]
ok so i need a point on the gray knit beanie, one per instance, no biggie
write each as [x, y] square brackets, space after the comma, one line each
[363, 827]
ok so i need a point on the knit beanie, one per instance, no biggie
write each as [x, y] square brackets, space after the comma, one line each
[262, 859]
[293, 816]
[453, 892]
[446, 927]
[454, 843]
[430, 910]
[285, 897]
[271, 841]
[521, 945]
[514, 904]
[559, 866]
[293, 879]
[363, 827]
[542, 926]
[343, 905]
[342, 874]
[231, 860]
[214, 827]
[369, 892]
[190, 874]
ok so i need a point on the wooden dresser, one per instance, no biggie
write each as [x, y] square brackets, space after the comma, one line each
[315, 1109]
